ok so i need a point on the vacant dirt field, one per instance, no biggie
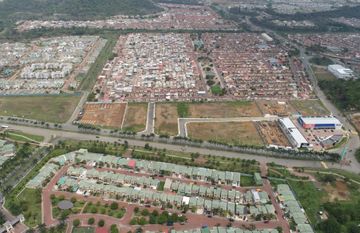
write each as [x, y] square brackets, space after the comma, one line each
[272, 134]
[135, 117]
[224, 110]
[275, 107]
[57, 109]
[109, 115]
[234, 133]
[338, 191]
[310, 107]
[323, 74]
[166, 119]
[356, 121]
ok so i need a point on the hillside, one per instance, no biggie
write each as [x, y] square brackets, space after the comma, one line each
[73, 9]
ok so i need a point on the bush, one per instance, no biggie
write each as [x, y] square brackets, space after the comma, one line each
[114, 229]
[91, 221]
[114, 206]
[101, 223]
[76, 222]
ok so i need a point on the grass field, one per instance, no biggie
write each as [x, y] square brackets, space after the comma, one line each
[166, 119]
[310, 107]
[234, 133]
[310, 198]
[30, 202]
[135, 117]
[83, 230]
[323, 74]
[23, 137]
[224, 110]
[56, 109]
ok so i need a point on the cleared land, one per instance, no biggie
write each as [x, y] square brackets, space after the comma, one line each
[323, 74]
[356, 121]
[278, 108]
[224, 110]
[166, 119]
[310, 107]
[272, 134]
[109, 115]
[234, 133]
[56, 109]
[135, 117]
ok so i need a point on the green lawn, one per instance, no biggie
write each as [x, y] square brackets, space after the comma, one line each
[23, 137]
[247, 181]
[29, 204]
[310, 198]
[83, 230]
[57, 109]
[104, 209]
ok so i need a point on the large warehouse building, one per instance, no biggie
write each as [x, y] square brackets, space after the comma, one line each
[292, 133]
[319, 122]
[341, 72]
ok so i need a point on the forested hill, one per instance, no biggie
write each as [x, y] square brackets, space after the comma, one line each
[73, 9]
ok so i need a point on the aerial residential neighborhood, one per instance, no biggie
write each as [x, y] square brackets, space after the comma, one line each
[179, 116]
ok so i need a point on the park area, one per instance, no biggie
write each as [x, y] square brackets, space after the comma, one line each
[57, 109]
[310, 107]
[233, 133]
[104, 114]
[135, 117]
[224, 109]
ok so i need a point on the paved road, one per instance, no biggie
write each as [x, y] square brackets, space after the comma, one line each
[172, 147]
[150, 122]
[78, 108]
[182, 122]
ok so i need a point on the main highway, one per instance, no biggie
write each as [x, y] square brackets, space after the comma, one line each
[51, 134]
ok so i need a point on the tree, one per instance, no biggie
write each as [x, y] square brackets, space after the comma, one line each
[91, 221]
[76, 222]
[114, 229]
[114, 206]
[101, 223]
[144, 212]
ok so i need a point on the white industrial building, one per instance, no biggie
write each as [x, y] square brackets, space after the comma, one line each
[341, 72]
[329, 122]
[293, 134]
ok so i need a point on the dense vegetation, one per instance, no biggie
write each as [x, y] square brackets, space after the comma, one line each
[344, 94]
[343, 218]
[323, 20]
[73, 9]
[321, 61]
[185, 2]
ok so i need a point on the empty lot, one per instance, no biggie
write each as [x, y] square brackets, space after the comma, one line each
[272, 134]
[135, 117]
[356, 121]
[234, 133]
[104, 114]
[166, 119]
[310, 107]
[277, 108]
[224, 110]
[57, 109]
